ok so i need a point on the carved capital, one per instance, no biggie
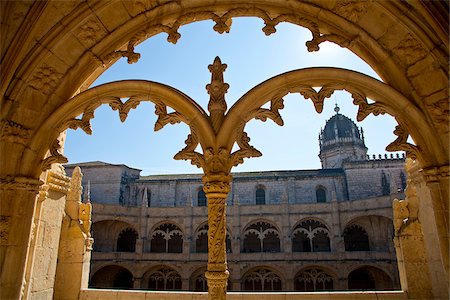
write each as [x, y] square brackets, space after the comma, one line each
[217, 284]
[216, 184]
[435, 174]
[58, 182]
[20, 183]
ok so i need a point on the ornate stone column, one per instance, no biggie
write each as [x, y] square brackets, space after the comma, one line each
[216, 188]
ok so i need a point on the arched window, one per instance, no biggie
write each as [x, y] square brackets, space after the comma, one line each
[321, 195]
[261, 237]
[385, 184]
[201, 241]
[149, 197]
[403, 180]
[313, 279]
[261, 280]
[126, 242]
[201, 198]
[167, 238]
[164, 279]
[310, 236]
[260, 196]
[356, 238]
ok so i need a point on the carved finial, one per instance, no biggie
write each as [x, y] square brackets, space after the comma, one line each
[217, 89]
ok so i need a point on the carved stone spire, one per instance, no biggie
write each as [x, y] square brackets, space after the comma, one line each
[217, 90]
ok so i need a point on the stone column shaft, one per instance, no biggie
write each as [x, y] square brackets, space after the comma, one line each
[216, 189]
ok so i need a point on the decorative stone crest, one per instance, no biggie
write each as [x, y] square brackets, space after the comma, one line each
[409, 50]
[90, 32]
[45, 79]
[351, 9]
[15, 132]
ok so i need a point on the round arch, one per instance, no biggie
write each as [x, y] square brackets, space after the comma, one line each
[112, 276]
[332, 24]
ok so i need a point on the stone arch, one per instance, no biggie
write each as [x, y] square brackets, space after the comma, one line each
[162, 278]
[166, 237]
[369, 278]
[112, 276]
[365, 46]
[261, 236]
[406, 43]
[106, 234]
[314, 278]
[262, 278]
[311, 235]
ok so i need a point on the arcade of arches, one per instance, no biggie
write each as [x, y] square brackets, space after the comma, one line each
[52, 51]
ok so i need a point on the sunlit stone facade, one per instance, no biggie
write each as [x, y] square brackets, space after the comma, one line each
[303, 230]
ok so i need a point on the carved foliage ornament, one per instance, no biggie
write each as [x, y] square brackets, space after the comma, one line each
[401, 144]
[55, 156]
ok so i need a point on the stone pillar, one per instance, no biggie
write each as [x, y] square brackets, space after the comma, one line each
[18, 198]
[216, 188]
[72, 273]
[413, 265]
[432, 191]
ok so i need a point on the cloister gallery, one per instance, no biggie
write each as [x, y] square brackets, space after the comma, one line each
[52, 51]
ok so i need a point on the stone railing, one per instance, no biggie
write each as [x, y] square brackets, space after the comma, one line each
[153, 295]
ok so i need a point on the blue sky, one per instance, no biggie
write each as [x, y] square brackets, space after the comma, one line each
[252, 58]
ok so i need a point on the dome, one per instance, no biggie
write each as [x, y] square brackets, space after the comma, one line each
[339, 126]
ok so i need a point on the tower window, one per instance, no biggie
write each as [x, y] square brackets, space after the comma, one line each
[260, 196]
[201, 197]
[321, 195]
